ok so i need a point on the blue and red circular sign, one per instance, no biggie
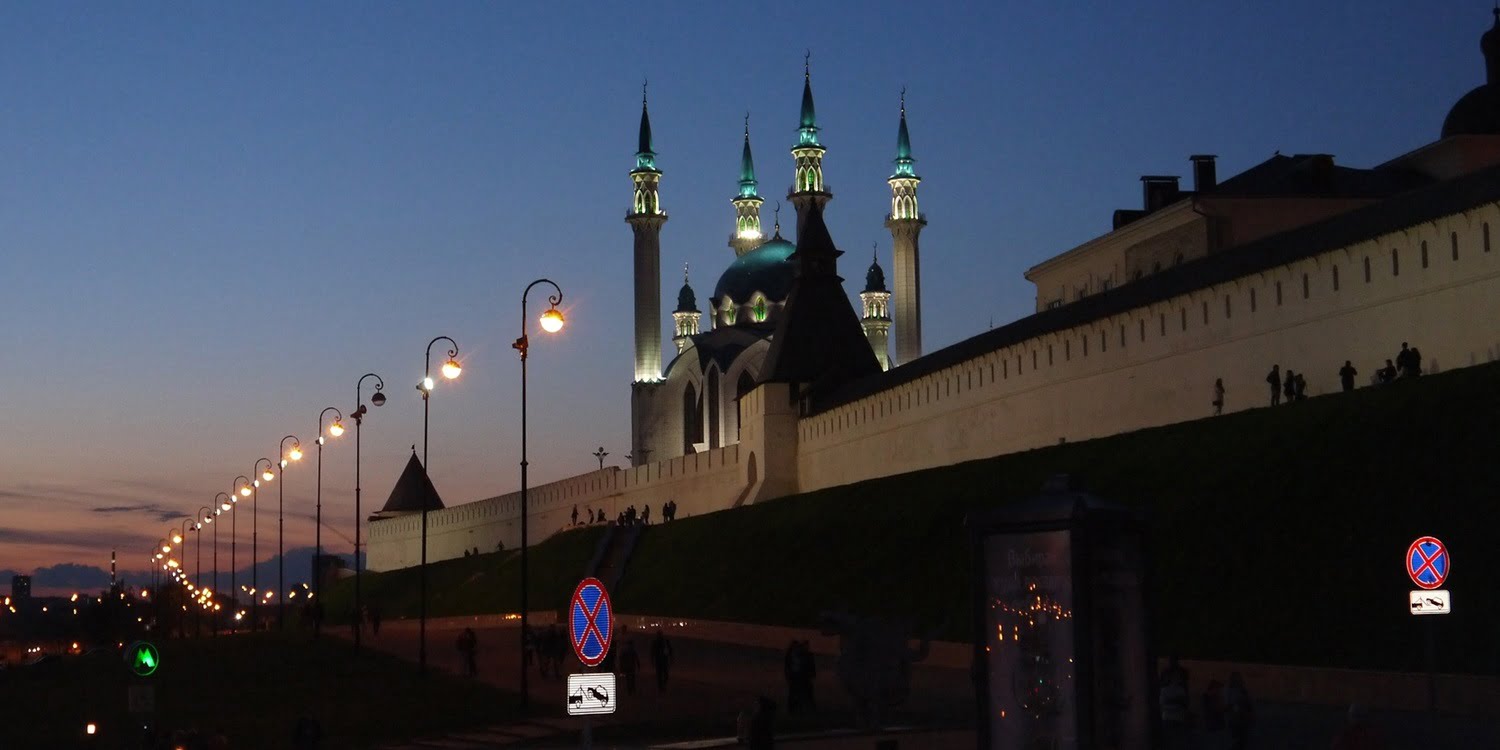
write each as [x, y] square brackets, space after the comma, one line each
[1427, 562]
[591, 622]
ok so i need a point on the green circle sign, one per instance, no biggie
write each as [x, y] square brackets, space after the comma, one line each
[143, 658]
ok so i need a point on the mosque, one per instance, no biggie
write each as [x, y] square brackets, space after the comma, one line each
[1298, 261]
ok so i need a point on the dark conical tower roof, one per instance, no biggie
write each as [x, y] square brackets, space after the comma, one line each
[748, 182]
[413, 491]
[875, 276]
[818, 341]
[687, 302]
[645, 156]
[807, 126]
[904, 160]
[1478, 112]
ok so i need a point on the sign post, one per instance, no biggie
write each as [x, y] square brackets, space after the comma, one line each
[1428, 565]
[591, 630]
[143, 659]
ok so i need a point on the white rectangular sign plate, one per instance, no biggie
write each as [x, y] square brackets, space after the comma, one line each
[591, 693]
[1435, 602]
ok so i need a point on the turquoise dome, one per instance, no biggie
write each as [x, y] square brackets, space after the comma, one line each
[764, 269]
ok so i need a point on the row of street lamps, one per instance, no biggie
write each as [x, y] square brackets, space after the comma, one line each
[551, 321]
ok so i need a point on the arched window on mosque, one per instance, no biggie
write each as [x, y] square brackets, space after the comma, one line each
[712, 397]
[692, 420]
[758, 312]
[743, 386]
[729, 311]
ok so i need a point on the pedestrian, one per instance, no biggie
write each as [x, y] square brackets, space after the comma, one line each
[1301, 387]
[1346, 376]
[1403, 360]
[630, 664]
[646, 516]
[761, 734]
[1387, 374]
[1358, 734]
[1218, 396]
[1274, 379]
[1239, 712]
[1414, 362]
[1289, 386]
[575, 515]
[661, 659]
[1174, 710]
[468, 648]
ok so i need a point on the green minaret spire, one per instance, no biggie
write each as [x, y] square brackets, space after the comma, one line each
[747, 167]
[903, 145]
[645, 157]
[807, 131]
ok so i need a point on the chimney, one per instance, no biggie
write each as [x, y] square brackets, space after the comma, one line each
[1160, 191]
[1205, 177]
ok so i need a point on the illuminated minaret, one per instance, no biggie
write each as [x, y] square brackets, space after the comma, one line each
[876, 319]
[685, 317]
[646, 219]
[808, 190]
[905, 223]
[747, 235]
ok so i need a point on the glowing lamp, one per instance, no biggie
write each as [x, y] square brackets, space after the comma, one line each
[267, 475]
[552, 320]
[177, 539]
[296, 453]
[451, 369]
[336, 429]
[245, 491]
[426, 385]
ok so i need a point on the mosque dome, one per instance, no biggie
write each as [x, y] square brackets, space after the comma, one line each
[687, 302]
[1478, 112]
[875, 278]
[764, 269]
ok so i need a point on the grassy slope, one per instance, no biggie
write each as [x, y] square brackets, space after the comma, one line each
[254, 688]
[1276, 535]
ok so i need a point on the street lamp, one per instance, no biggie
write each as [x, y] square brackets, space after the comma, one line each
[359, 412]
[266, 475]
[241, 489]
[223, 503]
[294, 454]
[600, 454]
[551, 322]
[335, 430]
[451, 370]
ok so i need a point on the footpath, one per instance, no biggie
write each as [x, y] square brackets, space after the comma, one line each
[720, 668]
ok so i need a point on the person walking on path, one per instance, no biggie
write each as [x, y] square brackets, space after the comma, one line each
[575, 515]
[646, 516]
[1274, 379]
[468, 647]
[1289, 386]
[1346, 376]
[1218, 396]
[1239, 712]
[661, 659]
[630, 664]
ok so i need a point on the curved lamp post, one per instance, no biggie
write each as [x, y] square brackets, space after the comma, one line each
[551, 322]
[336, 429]
[223, 503]
[242, 489]
[295, 454]
[267, 475]
[451, 370]
[377, 398]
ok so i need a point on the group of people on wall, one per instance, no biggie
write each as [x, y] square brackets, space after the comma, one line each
[1292, 386]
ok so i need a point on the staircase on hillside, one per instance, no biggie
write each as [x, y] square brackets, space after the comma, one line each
[613, 553]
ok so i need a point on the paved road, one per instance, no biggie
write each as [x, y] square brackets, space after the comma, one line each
[711, 682]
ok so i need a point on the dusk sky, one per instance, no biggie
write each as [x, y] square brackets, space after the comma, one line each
[215, 218]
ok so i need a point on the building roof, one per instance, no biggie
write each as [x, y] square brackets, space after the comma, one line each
[807, 124]
[413, 491]
[1311, 175]
[721, 346]
[1367, 222]
[747, 167]
[1478, 112]
[875, 277]
[904, 161]
[687, 302]
[764, 269]
[645, 156]
[819, 341]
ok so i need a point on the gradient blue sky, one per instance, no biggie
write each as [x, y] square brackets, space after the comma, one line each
[215, 217]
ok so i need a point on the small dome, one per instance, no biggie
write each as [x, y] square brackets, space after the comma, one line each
[1478, 112]
[764, 269]
[875, 278]
[686, 301]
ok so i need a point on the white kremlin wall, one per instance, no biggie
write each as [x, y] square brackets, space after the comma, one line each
[1151, 366]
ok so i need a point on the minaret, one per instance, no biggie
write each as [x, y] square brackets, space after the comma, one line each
[905, 223]
[646, 219]
[685, 317]
[807, 187]
[877, 315]
[747, 235]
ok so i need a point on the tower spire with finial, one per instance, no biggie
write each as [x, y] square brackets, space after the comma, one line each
[905, 222]
[747, 232]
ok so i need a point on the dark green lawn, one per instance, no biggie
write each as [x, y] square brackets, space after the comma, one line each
[254, 688]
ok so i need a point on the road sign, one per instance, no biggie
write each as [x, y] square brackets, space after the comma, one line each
[143, 658]
[142, 699]
[591, 693]
[1436, 602]
[1427, 562]
[591, 622]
